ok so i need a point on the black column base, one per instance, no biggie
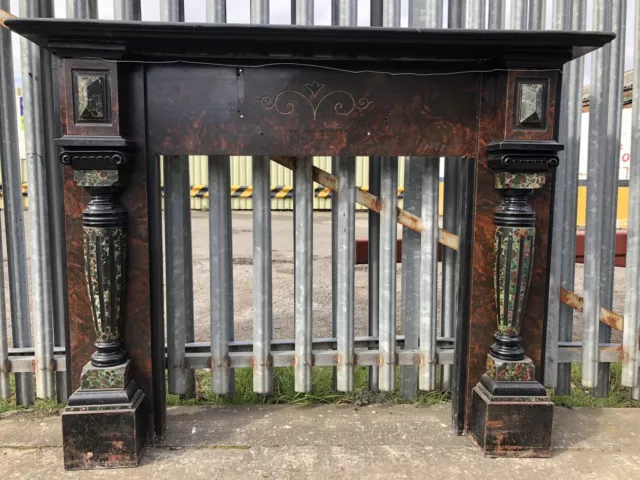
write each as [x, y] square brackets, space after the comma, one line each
[104, 425]
[511, 419]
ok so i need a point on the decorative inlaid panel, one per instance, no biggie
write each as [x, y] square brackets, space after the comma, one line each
[89, 103]
[341, 102]
[307, 110]
[531, 104]
[91, 97]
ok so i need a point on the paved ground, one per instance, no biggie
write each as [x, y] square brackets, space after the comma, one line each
[282, 227]
[326, 442]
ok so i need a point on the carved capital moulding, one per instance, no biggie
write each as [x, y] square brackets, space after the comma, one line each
[511, 414]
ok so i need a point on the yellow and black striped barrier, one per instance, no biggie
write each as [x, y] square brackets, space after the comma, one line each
[324, 192]
[24, 190]
[277, 191]
[243, 191]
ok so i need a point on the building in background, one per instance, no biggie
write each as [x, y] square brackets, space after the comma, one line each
[625, 141]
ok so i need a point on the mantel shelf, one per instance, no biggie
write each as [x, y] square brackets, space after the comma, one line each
[157, 40]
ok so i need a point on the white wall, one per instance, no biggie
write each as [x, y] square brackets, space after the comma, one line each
[625, 144]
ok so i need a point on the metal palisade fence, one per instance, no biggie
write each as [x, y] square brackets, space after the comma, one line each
[32, 328]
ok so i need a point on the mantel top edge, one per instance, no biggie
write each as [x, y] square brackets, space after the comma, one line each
[143, 40]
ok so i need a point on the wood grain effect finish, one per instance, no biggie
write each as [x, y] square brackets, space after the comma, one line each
[494, 126]
[138, 323]
[309, 111]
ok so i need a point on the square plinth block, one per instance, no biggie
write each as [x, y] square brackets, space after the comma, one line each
[104, 436]
[511, 419]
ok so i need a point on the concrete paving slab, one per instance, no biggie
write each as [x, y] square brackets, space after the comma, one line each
[378, 441]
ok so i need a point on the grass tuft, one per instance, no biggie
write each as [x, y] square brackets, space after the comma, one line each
[582, 397]
[284, 391]
[323, 393]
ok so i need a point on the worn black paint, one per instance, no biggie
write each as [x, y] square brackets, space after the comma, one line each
[104, 438]
[463, 272]
[513, 421]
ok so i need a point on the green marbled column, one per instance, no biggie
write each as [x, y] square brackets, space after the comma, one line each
[105, 255]
[515, 236]
[105, 252]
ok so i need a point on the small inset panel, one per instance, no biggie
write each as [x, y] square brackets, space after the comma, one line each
[531, 104]
[91, 92]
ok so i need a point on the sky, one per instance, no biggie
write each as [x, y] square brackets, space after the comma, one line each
[280, 13]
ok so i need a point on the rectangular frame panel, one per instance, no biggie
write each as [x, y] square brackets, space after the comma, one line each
[304, 111]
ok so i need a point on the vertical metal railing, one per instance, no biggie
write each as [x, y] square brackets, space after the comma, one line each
[221, 271]
[179, 267]
[127, 10]
[571, 15]
[302, 14]
[387, 264]
[391, 14]
[429, 274]
[55, 201]
[410, 282]
[303, 273]
[36, 151]
[421, 303]
[537, 14]
[383, 13]
[561, 21]
[497, 14]
[632, 305]
[262, 283]
[456, 19]
[611, 168]
[476, 14]
[595, 202]
[179, 272]
[221, 253]
[383, 181]
[5, 390]
[13, 215]
[82, 8]
[343, 13]
[577, 21]
[519, 12]
[345, 273]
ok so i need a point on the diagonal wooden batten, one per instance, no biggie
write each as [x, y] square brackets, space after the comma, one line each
[607, 317]
[371, 201]
[4, 15]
